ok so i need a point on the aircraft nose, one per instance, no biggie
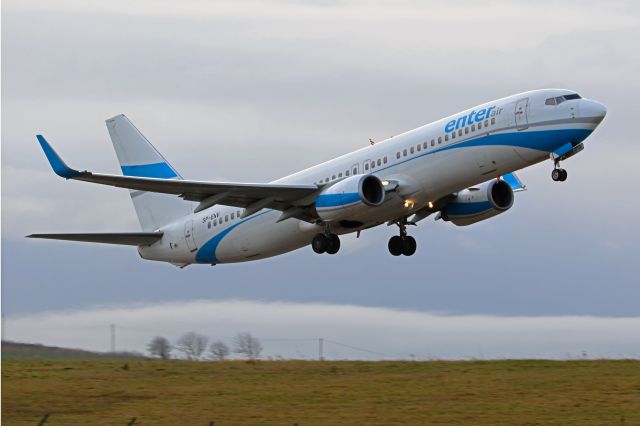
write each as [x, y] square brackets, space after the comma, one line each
[593, 109]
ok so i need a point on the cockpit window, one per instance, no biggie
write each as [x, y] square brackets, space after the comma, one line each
[560, 99]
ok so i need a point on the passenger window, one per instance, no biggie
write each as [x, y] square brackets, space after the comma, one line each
[226, 218]
[233, 215]
[453, 135]
[473, 127]
[326, 180]
[493, 120]
[466, 130]
[398, 155]
[333, 177]
[480, 125]
[486, 123]
[385, 160]
[215, 222]
[209, 225]
[418, 147]
[425, 145]
[404, 152]
[446, 138]
[460, 132]
[366, 166]
[340, 174]
[433, 142]
[239, 214]
[346, 173]
[379, 162]
[411, 150]
[439, 139]
[355, 171]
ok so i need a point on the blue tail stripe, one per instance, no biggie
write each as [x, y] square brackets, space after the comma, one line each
[155, 170]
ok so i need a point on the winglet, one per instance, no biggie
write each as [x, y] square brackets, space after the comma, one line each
[58, 166]
[514, 182]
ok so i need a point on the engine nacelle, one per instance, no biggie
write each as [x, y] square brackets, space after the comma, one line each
[478, 203]
[350, 198]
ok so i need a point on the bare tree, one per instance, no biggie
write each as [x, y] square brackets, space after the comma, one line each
[247, 345]
[219, 350]
[192, 345]
[160, 347]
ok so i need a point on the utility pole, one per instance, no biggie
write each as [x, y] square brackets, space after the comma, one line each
[321, 349]
[113, 337]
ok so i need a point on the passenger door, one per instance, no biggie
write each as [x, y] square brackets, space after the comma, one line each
[522, 108]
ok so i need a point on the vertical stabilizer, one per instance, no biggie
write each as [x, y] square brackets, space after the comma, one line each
[138, 157]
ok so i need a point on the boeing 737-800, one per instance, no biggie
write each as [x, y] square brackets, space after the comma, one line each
[459, 168]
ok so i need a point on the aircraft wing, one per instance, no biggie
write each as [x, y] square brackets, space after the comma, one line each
[251, 196]
[514, 182]
[125, 238]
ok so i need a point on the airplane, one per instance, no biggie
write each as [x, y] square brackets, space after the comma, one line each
[459, 169]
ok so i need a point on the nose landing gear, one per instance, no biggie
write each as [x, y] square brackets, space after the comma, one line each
[403, 243]
[558, 174]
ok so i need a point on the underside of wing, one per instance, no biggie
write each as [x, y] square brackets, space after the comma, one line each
[124, 238]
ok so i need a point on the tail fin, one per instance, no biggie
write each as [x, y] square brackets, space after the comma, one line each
[138, 157]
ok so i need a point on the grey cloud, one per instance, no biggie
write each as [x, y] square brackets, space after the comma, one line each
[292, 330]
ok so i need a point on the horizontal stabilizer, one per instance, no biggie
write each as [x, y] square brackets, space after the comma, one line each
[125, 238]
[514, 182]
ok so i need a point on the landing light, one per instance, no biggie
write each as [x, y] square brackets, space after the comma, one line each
[408, 204]
[385, 182]
[430, 204]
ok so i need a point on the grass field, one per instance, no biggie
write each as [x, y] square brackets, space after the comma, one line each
[103, 392]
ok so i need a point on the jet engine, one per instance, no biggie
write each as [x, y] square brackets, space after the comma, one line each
[350, 198]
[478, 203]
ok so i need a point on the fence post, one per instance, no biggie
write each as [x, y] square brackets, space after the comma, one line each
[132, 421]
[44, 419]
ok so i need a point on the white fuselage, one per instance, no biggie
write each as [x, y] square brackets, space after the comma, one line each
[429, 162]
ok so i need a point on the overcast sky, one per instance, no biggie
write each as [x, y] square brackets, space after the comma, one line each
[252, 91]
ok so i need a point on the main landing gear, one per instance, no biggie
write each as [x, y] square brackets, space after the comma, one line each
[558, 174]
[403, 243]
[326, 243]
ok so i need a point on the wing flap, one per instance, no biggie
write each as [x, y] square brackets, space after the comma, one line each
[124, 238]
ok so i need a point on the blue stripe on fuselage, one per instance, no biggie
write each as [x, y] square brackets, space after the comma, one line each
[207, 253]
[541, 140]
[155, 170]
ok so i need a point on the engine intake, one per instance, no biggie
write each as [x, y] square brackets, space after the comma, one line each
[475, 204]
[350, 198]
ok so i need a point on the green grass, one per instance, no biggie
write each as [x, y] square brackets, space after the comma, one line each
[109, 392]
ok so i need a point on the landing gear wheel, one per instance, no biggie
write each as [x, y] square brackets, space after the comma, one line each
[333, 244]
[320, 243]
[563, 175]
[559, 175]
[409, 245]
[396, 245]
